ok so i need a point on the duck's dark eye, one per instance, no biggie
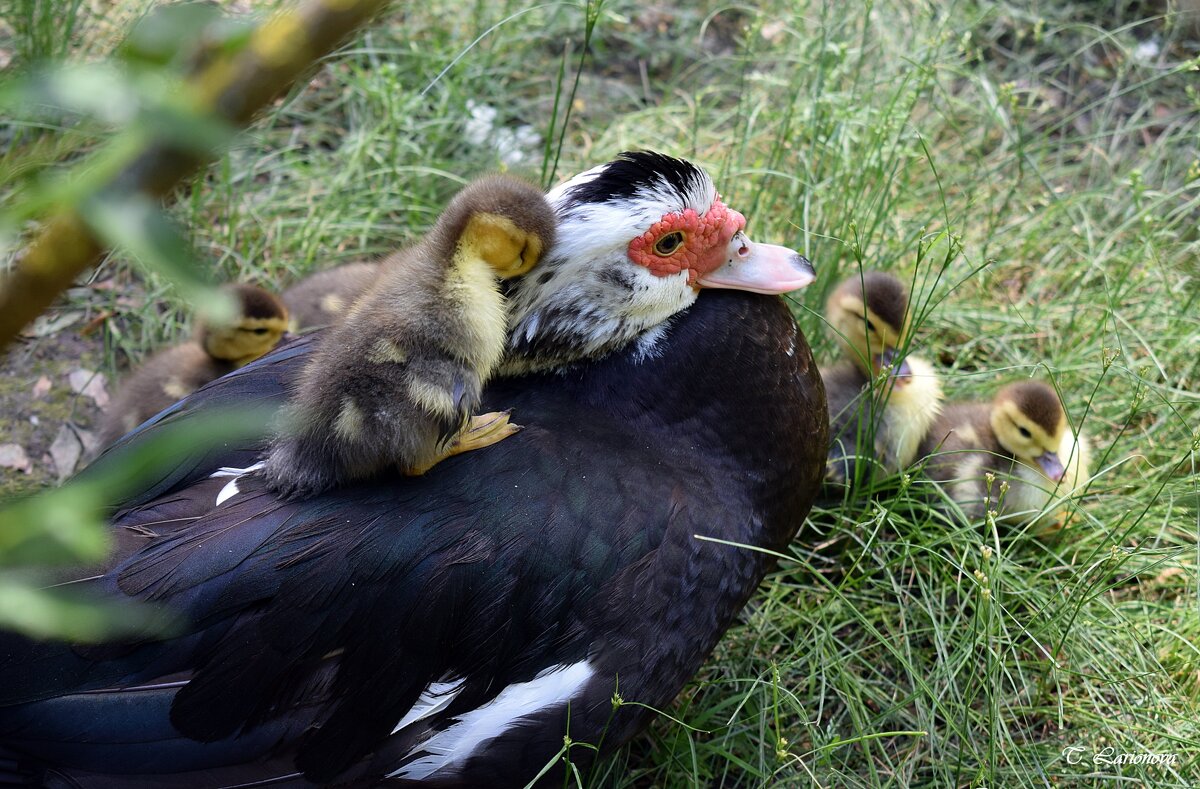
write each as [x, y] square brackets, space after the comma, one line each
[668, 243]
[870, 326]
[260, 330]
[1024, 432]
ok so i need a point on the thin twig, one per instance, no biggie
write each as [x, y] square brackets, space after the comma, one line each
[232, 89]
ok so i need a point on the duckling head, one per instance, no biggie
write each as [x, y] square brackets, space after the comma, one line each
[1029, 422]
[500, 220]
[638, 238]
[259, 324]
[869, 314]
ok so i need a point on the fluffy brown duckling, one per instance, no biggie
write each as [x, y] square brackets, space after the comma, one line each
[396, 383]
[171, 374]
[1022, 438]
[322, 299]
[881, 403]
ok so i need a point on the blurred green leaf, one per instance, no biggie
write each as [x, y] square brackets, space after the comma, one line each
[160, 36]
[154, 103]
[151, 454]
[68, 526]
[98, 90]
[58, 527]
[184, 36]
[147, 105]
[73, 614]
[138, 225]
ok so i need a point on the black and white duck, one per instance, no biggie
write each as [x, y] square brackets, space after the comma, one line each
[451, 629]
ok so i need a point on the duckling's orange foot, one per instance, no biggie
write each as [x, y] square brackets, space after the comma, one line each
[481, 431]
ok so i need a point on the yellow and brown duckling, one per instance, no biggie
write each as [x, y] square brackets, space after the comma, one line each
[397, 382]
[1021, 438]
[171, 374]
[881, 402]
[322, 299]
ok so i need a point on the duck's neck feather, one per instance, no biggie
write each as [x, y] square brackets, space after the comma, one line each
[751, 388]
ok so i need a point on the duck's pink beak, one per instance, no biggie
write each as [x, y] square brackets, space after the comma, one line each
[759, 268]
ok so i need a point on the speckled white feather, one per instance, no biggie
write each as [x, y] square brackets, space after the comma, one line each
[579, 301]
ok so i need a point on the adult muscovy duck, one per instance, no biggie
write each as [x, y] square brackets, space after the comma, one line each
[452, 629]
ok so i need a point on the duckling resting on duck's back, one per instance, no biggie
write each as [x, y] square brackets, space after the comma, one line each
[880, 404]
[397, 382]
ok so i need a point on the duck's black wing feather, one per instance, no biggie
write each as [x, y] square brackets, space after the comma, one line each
[313, 628]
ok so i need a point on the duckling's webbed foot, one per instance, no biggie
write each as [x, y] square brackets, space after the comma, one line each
[481, 431]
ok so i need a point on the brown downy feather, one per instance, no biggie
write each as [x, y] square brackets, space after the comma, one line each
[174, 373]
[870, 419]
[400, 375]
[322, 299]
[965, 445]
[881, 293]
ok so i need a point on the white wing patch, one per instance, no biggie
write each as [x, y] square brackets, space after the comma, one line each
[231, 489]
[451, 748]
[433, 700]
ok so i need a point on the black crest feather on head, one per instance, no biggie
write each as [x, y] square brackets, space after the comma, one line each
[637, 171]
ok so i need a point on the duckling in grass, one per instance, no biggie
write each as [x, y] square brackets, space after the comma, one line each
[1021, 438]
[395, 384]
[322, 299]
[881, 404]
[176, 372]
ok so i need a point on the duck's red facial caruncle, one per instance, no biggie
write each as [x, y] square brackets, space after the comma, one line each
[714, 252]
[688, 242]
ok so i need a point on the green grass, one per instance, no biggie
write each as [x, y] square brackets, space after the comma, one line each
[1036, 182]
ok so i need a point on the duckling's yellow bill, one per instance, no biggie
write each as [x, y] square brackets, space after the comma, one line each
[760, 268]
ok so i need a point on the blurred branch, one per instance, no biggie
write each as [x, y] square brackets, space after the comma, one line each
[231, 88]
